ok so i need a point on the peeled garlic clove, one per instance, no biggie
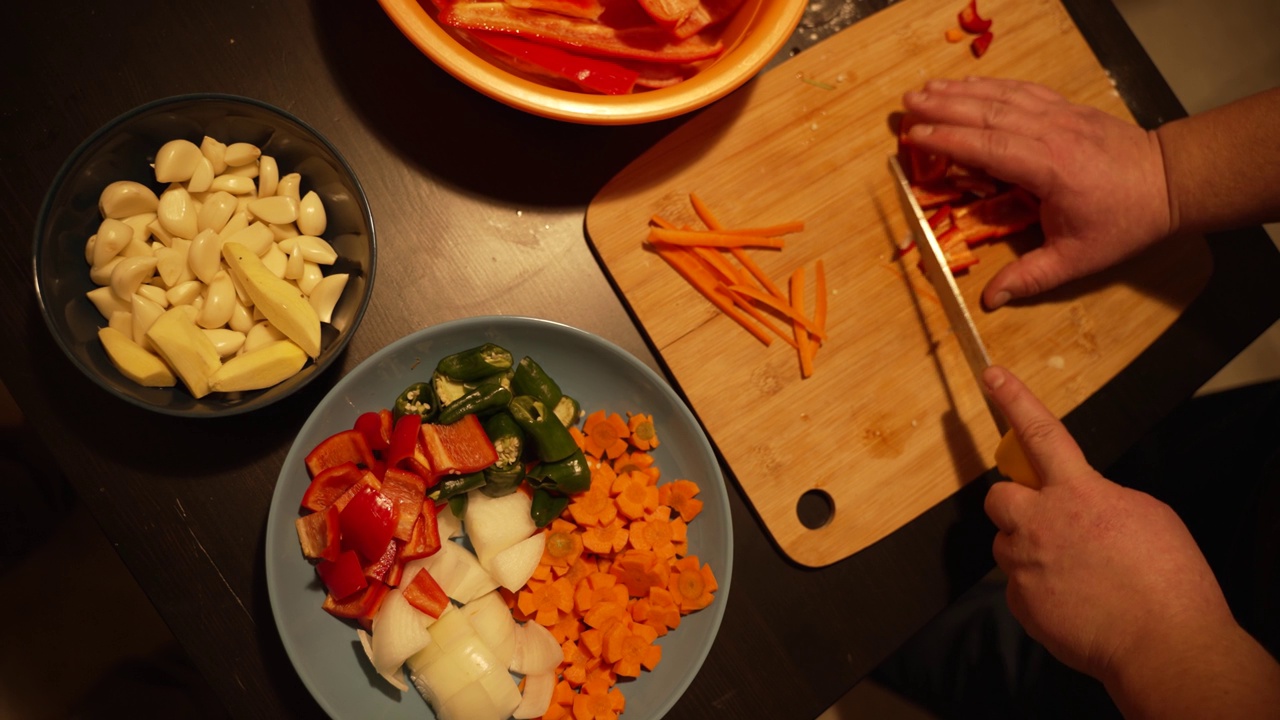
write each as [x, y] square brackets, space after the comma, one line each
[216, 152]
[241, 153]
[316, 250]
[311, 216]
[277, 262]
[144, 312]
[141, 225]
[154, 293]
[283, 232]
[257, 237]
[177, 213]
[219, 302]
[184, 293]
[106, 302]
[238, 222]
[101, 274]
[216, 211]
[268, 176]
[227, 342]
[277, 210]
[130, 273]
[88, 249]
[311, 276]
[123, 198]
[176, 161]
[122, 322]
[234, 184]
[205, 255]
[324, 296]
[201, 177]
[294, 268]
[241, 318]
[290, 186]
[112, 237]
[260, 335]
[158, 232]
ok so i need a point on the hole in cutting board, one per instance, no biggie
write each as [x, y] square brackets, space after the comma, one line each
[815, 509]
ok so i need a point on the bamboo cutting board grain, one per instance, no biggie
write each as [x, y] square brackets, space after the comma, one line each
[892, 421]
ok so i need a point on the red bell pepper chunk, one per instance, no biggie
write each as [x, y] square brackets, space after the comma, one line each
[380, 568]
[376, 428]
[343, 575]
[425, 539]
[344, 446]
[406, 490]
[368, 522]
[971, 21]
[981, 43]
[457, 448]
[320, 534]
[361, 606]
[588, 73]
[329, 485]
[996, 216]
[405, 451]
[425, 594]
[644, 42]
[366, 480]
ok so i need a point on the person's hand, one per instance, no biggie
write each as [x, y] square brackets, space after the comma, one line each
[1100, 180]
[1102, 575]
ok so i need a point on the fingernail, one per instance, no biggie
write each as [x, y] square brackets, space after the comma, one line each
[1000, 299]
[936, 84]
[993, 377]
[915, 96]
[920, 130]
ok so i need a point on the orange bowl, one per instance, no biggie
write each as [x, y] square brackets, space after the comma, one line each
[751, 38]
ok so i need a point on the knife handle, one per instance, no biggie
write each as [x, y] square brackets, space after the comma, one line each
[1012, 462]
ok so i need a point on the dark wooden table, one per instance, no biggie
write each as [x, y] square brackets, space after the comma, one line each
[479, 210]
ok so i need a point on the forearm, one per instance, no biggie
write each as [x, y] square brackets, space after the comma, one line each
[1222, 167]
[1228, 675]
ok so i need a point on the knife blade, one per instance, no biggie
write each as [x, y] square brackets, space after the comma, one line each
[1010, 458]
[944, 284]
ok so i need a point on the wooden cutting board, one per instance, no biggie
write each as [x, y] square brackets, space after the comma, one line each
[892, 421]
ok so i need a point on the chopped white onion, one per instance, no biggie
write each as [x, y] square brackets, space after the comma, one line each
[538, 690]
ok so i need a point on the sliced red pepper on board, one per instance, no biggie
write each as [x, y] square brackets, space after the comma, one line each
[1003, 214]
[344, 446]
[343, 575]
[330, 484]
[971, 21]
[588, 73]
[361, 606]
[425, 539]
[406, 490]
[320, 534]
[458, 448]
[651, 42]
[368, 522]
[425, 594]
[376, 428]
[981, 43]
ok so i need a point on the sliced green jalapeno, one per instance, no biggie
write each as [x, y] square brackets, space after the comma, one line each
[530, 379]
[417, 399]
[551, 439]
[452, 485]
[546, 507]
[489, 395]
[568, 476]
[458, 506]
[568, 410]
[507, 438]
[499, 480]
[476, 363]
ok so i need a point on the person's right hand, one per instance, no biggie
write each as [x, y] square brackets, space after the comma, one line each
[1109, 579]
[1100, 180]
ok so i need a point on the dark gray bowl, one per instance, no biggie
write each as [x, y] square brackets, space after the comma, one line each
[123, 150]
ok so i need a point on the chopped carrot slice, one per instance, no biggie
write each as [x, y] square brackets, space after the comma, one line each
[640, 570]
[546, 602]
[640, 462]
[563, 546]
[630, 648]
[679, 495]
[656, 535]
[606, 435]
[709, 238]
[692, 584]
[606, 539]
[603, 614]
[596, 588]
[634, 495]
[598, 701]
[643, 435]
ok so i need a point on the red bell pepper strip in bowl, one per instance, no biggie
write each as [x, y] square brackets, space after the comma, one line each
[588, 73]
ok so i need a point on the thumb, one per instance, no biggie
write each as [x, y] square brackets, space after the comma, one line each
[1040, 270]
[1052, 452]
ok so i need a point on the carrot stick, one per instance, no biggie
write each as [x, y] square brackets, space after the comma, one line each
[785, 228]
[757, 272]
[682, 263]
[820, 300]
[782, 306]
[719, 266]
[707, 238]
[803, 341]
[704, 213]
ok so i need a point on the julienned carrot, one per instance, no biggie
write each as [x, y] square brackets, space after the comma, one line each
[757, 272]
[626, 572]
[708, 238]
[694, 275]
[786, 307]
[820, 297]
[708, 218]
[804, 343]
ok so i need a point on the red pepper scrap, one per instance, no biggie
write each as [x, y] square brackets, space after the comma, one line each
[361, 606]
[319, 534]
[329, 485]
[980, 44]
[343, 575]
[425, 594]
[971, 21]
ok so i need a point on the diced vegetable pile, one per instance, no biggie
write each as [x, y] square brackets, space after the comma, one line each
[715, 261]
[574, 559]
[602, 46]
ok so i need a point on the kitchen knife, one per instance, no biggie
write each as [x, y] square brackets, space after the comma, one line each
[1010, 459]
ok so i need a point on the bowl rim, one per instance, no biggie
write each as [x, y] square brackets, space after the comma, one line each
[265, 398]
[737, 62]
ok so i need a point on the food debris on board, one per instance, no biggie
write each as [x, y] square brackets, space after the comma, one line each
[581, 557]
[971, 23]
[597, 46]
[714, 260]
